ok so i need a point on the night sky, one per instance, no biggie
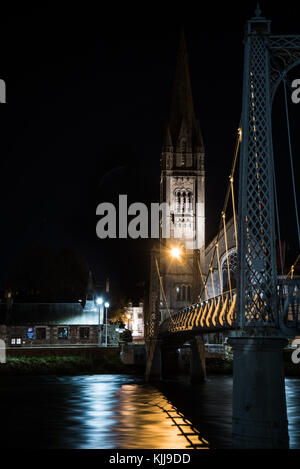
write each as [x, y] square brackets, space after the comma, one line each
[88, 94]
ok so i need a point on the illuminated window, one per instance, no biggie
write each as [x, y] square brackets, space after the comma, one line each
[62, 333]
[16, 341]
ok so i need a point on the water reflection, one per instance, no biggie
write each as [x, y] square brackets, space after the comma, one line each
[114, 411]
[159, 423]
[92, 412]
[292, 389]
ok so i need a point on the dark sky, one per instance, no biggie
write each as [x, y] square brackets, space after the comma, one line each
[88, 93]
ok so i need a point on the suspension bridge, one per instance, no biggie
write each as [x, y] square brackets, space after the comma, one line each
[263, 309]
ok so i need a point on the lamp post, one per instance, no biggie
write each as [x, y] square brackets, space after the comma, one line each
[106, 305]
[99, 302]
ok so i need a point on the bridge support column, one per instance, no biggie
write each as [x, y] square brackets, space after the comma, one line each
[154, 360]
[259, 419]
[197, 361]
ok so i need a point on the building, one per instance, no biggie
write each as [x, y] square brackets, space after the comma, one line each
[182, 187]
[56, 324]
[135, 321]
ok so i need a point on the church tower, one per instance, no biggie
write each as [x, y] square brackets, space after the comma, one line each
[90, 295]
[182, 188]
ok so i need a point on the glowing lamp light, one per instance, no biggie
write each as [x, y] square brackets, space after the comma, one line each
[106, 304]
[176, 253]
[99, 301]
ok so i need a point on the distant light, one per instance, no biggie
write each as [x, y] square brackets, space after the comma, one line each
[99, 301]
[80, 301]
[176, 253]
[106, 304]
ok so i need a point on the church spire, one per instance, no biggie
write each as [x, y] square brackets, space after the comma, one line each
[182, 107]
[90, 289]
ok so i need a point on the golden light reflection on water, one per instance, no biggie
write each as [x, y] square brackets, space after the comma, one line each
[152, 422]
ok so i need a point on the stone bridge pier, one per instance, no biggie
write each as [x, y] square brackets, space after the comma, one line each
[162, 359]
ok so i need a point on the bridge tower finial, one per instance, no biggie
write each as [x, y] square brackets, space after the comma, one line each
[258, 11]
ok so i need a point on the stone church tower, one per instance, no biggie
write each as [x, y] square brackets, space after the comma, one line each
[182, 187]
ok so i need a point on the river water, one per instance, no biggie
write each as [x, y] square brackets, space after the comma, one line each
[117, 411]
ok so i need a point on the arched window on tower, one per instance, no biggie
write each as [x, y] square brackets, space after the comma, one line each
[189, 293]
[177, 293]
[183, 293]
[183, 202]
[189, 202]
[178, 201]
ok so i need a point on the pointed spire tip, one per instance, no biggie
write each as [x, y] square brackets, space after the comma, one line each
[258, 10]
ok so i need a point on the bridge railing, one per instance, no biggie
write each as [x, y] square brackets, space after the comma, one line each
[220, 314]
[214, 313]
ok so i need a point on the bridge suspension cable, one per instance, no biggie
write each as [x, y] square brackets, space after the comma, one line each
[291, 158]
[277, 219]
[292, 271]
[230, 191]
[162, 289]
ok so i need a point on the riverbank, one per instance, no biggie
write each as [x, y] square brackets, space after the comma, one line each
[68, 365]
[112, 364]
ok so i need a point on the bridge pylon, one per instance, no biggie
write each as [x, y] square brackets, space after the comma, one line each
[259, 401]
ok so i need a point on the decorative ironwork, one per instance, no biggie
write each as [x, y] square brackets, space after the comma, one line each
[257, 301]
[284, 55]
[257, 305]
[219, 314]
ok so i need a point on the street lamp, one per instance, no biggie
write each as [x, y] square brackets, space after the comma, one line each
[176, 253]
[128, 317]
[106, 305]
